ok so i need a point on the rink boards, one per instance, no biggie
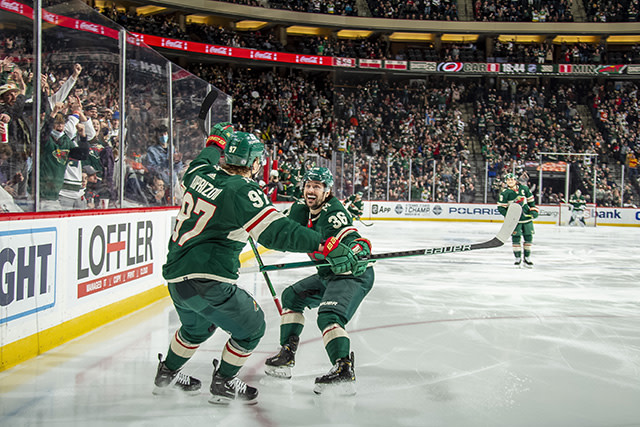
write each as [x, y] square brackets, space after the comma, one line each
[64, 274]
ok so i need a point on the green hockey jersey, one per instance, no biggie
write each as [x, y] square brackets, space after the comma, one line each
[355, 207]
[578, 202]
[218, 214]
[529, 209]
[332, 221]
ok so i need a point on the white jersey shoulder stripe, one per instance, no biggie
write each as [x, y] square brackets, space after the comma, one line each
[256, 225]
[344, 232]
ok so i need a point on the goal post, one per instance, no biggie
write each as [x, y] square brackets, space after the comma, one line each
[570, 217]
[558, 166]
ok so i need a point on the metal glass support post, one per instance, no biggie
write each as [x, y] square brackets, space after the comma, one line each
[486, 180]
[595, 179]
[540, 181]
[409, 179]
[170, 129]
[122, 42]
[369, 181]
[343, 175]
[37, 46]
[622, 186]
[566, 182]
[433, 183]
[459, 178]
[388, 175]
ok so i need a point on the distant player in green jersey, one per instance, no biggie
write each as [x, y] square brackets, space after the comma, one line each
[578, 205]
[337, 296]
[355, 205]
[519, 193]
[222, 206]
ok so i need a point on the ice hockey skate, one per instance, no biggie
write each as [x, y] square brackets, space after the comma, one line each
[518, 262]
[280, 365]
[168, 381]
[527, 262]
[226, 390]
[340, 380]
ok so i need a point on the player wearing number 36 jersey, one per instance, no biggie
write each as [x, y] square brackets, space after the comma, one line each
[337, 294]
[222, 206]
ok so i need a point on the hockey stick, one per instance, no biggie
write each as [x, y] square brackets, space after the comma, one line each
[266, 276]
[364, 223]
[509, 224]
[204, 108]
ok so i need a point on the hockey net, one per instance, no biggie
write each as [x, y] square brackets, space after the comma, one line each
[567, 217]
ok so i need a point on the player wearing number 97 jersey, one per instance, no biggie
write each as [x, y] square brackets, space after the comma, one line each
[337, 296]
[222, 206]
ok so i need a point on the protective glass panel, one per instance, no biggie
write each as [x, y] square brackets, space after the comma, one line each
[16, 126]
[80, 122]
[148, 158]
[189, 129]
[93, 151]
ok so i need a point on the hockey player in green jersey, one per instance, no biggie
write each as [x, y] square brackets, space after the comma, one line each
[355, 205]
[222, 206]
[519, 193]
[578, 205]
[337, 296]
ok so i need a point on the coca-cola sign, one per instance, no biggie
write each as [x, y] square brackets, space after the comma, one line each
[50, 17]
[12, 6]
[218, 50]
[268, 56]
[174, 44]
[89, 26]
[308, 59]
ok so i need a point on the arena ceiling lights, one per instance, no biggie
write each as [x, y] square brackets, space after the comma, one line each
[149, 10]
[506, 38]
[459, 38]
[411, 37]
[354, 34]
[299, 30]
[623, 39]
[197, 19]
[576, 39]
[250, 25]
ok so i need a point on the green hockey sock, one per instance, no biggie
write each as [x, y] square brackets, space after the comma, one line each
[338, 348]
[227, 370]
[174, 362]
[288, 330]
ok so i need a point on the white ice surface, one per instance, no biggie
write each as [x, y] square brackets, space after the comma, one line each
[445, 340]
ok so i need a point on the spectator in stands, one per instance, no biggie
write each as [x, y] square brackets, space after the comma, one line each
[12, 104]
[158, 158]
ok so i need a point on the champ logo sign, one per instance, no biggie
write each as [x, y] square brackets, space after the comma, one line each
[28, 260]
[113, 254]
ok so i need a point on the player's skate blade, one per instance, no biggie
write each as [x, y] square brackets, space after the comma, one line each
[347, 388]
[169, 382]
[340, 380]
[225, 390]
[283, 372]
